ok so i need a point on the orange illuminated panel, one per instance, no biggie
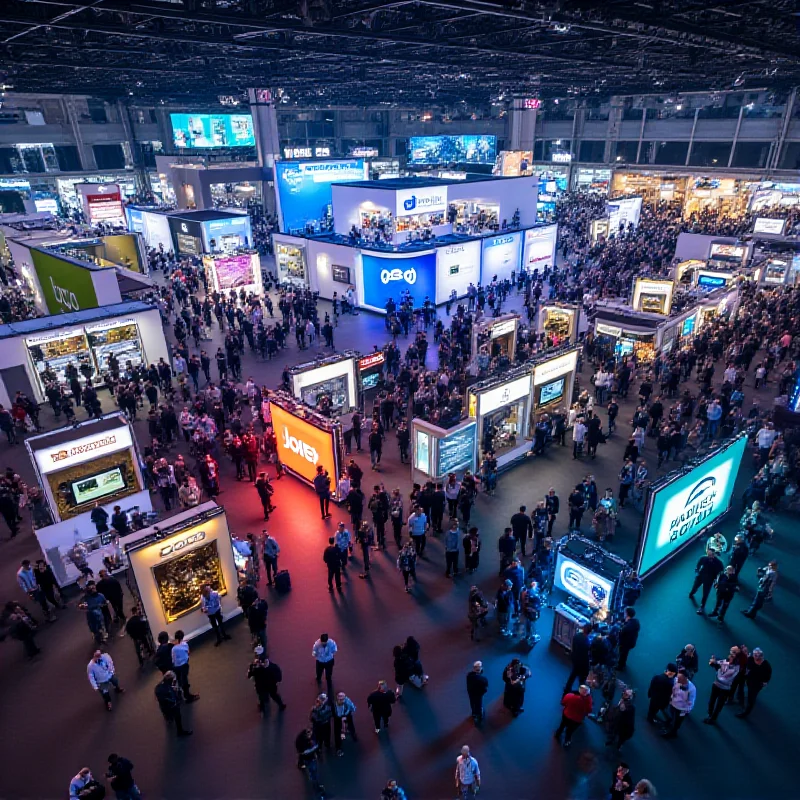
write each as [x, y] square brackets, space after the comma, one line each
[302, 447]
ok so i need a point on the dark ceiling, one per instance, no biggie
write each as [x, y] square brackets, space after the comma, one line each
[353, 52]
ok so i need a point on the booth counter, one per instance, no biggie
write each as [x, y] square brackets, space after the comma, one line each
[306, 440]
[171, 563]
[436, 451]
[37, 351]
[79, 467]
[327, 381]
[560, 322]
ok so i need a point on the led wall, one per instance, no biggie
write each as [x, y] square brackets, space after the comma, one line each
[385, 276]
[209, 131]
[452, 149]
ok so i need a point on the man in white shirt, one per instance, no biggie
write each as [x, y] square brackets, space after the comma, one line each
[578, 436]
[468, 774]
[765, 437]
[323, 651]
[101, 674]
[730, 374]
[684, 694]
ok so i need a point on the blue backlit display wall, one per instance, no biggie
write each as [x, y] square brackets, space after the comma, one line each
[452, 149]
[385, 276]
[135, 220]
[227, 234]
[209, 131]
[501, 256]
[304, 188]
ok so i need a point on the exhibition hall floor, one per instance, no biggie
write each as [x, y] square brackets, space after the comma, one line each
[55, 724]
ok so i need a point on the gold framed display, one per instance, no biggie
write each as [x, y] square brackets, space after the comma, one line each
[179, 580]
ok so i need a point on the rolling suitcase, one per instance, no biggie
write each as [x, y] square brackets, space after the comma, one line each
[283, 583]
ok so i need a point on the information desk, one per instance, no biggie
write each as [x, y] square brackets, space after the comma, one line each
[306, 440]
[327, 384]
[173, 561]
[436, 452]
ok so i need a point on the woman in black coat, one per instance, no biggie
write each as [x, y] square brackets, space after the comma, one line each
[514, 677]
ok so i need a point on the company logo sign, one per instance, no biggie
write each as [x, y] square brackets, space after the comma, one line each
[500, 240]
[424, 200]
[64, 297]
[451, 251]
[298, 446]
[179, 545]
[184, 228]
[302, 446]
[78, 450]
[409, 276]
[699, 505]
[372, 360]
[582, 584]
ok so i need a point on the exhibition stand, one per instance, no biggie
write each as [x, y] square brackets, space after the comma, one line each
[38, 351]
[560, 322]
[652, 296]
[554, 373]
[327, 382]
[436, 451]
[171, 563]
[370, 373]
[78, 467]
[240, 272]
[306, 440]
[682, 505]
[499, 334]
[101, 203]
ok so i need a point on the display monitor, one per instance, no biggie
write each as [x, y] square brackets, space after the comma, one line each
[551, 392]
[210, 131]
[452, 149]
[688, 326]
[710, 282]
[681, 509]
[95, 487]
[581, 582]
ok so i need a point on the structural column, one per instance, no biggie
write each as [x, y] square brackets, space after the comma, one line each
[268, 141]
[85, 151]
[523, 126]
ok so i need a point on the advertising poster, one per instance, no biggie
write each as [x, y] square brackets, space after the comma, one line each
[422, 452]
[680, 511]
[187, 236]
[385, 276]
[501, 256]
[513, 163]
[582, 583]
[540, 248]
[302, 446]
[227, 234]
[135, 220]
[775, 194]
[452, 149]
[304, 188]
[457, 451]
[770, 226]
[208, 131]
[102, 202]
[625, 211]
[66, 286]
[233, 272]
[457, 266]
[651, 296]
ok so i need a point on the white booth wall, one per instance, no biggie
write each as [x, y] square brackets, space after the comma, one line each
[322, 257]
[510, 194]
[465, 259]
[348, 200]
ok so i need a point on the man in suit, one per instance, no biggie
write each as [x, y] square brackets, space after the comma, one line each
[580, 657]
[628, 636]
[660, 692]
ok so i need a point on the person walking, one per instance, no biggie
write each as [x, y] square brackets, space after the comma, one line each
[407, 564]
[380, 702]
[522, 528]
[765, 591]
[472, 550]
[180, 666]
[577, 706]
[93, 604]
[579, 653]
[477, 686]
[365, 536]
[307, 756]
[102, 676]
[681, 704]
[333, 562]
[660, 692]
[27, 581]
[417, 528]
[620, 721]
[514, 677]
[468, 775]
[211, 606]
[451, 549]
[758, 673]
[727, 586]
[322, 486]
[705, 574]
[257, 622]
[726, 670]
[321, 718]
[139, 632]
[504, 605]
[628, 636]
[344, 543]
[120, 775]
[343, 724]
[576, 503]
[169, 697]
[266, 675]
[323, 651]
[531, 609]
[396, 516]
[739, 553]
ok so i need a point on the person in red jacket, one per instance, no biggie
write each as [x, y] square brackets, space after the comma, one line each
[577, 706]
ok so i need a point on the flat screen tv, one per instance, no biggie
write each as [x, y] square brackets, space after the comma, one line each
[95, 487]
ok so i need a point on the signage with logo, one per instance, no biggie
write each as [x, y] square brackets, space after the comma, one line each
[540, 247]
[457, 451]
[420, 200]
[503, 328]
[713, 280]
[457, 266]
[384, 277]
[531, 103]
[302, 447]
[607, 330]
[582, 583]
[688, 325]
[561, 158]
[297, 152]
[730, 252]
[364, 152]
[501, 256]
[773, 227]
[82, 450]
[563, 365]
[65, 286]
[679, 512]
[180, 542]
[371, 361]
[187, 235]
[504, 395]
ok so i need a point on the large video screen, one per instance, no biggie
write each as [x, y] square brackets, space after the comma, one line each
[452, 149]
[209, 131]
[304, 188]
[384, 277]
[582, 583]
[678, 512]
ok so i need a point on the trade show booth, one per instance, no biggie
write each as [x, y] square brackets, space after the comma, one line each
[93, 462]
[327, 385]
[370, 372]
[682, 505]
[38, 351]
[728, 256]
[560, 322]
[197, 232]
[498, 334]
[306, 440]
[239, 272]
[171, 562]
[554, 379]
[436, 451]
[101, 203]
[652, 296]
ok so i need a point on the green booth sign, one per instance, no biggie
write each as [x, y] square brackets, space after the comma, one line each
[66, 286]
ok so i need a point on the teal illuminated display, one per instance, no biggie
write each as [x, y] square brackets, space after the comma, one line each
[209, 131]
[680, 510]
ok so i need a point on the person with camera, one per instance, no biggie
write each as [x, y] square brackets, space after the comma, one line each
[767, 578]
[170, 699]
[514, 676]
[727, 670]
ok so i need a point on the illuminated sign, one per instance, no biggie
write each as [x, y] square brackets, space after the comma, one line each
[209, 131]
[561, 158]
[505, 394]
[421, 200]
[581, 582]
[531, 103]
[452, 149]
[543, 373]
[372, 360]
[502, 328]
[178, 545]
[607, 330]
[84, 449]
[457, 450]
[540, 247]
[653, 296]
[302, 446]
[364, 152]
[773, 227]
[501, 256]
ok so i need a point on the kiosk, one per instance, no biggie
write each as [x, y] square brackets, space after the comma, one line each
[436, 451]
[554, 379]
[498, 333]
[370, 371]
[332, 378]
[653, 296]
[78, 467]
[559, 321]
[171, 563]
[306, 440]
[240, 271]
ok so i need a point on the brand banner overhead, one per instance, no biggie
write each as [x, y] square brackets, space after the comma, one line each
[65, 286]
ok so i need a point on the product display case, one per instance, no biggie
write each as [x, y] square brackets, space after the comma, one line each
[53, 354]
[121, 340]
[291, 262]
